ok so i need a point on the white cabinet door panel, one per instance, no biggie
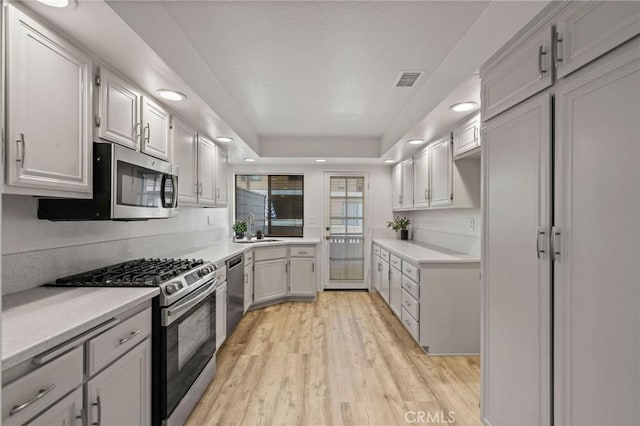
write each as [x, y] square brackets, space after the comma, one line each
[407, 184]
[385, 283]
[156, 124]
[597, 274]
[185, 156]
[441, 173]
[302, 276]
[467, 136]
[221, 314]
[516, 284]
[248, 287]
[206, 172]
[66, 412]
[118, 110]
[396, 190]
[222, 178]
[421, 179]
[48, 109]
[270, 280]
[395, 291]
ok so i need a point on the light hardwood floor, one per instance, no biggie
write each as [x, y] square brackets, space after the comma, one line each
[343, 360]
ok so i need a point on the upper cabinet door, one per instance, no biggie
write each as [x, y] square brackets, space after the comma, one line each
[467, 136]
[522, 72]
[587, 30]
[222, 180]
[156, 124]
[441, 173]
[407, 184]
[118, 111]
[396, 189]
[48, 111]
[421, 179]
[206, 172]
[184, 141]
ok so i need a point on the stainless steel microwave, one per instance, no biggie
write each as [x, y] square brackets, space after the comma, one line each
[127, 185]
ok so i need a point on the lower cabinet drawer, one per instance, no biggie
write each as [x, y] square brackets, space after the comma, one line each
[396, 262]
[248, 257]
[412, 325]
[29, 395]
[410, 304]
[411, 271]
[411, 287]
[376, 250]
[116, 341]
[384, 254]
[302, 251]
[270, 253]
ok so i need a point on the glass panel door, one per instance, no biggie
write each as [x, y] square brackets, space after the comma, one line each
[346, 231]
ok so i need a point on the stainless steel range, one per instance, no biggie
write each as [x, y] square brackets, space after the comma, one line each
[184, 336]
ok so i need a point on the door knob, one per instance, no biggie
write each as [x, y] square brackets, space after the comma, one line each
[327, 228]
[328, 237]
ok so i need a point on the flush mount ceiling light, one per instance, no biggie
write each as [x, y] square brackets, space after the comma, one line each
[55, 3]
[320, 160]
[171, 95]
[224, 139]
[250, 160]
[415, 141]
[389, 161]
[463, 106]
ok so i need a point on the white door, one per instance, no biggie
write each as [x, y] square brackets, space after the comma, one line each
[206, 172]
[270, 280]
[421, 179]
[185, 155]
[347, 242]
[66, 412]
[396, 189]
[118, 111]
[222, 177]
[156, 127]
[597, 271]
[302, 275]
[441, 156]
[407, 184]
[48, 111]
[221, 314]
[516, 328]
[395, 290]
[121, 394]
[385, 281]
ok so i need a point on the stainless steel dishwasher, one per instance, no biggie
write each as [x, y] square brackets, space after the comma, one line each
[235, 291]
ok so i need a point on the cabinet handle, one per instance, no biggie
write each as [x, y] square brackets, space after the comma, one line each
[23, 154]
[147, 133]
[42, 392]
[138, 133]
[559, 41]
[541, 53]
[539, 231]
[98, 405]
[555, 246]
[426, 196]
[246, 278]
[131, 336]
[475, 134]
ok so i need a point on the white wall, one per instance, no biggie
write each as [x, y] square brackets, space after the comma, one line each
[448, 228]
[37, 251]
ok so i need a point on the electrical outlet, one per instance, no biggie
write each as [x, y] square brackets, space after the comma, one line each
[470, 224]
[210, 220]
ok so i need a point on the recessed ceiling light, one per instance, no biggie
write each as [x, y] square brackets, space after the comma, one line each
[55, 3]
[463, 106]
[224, 139]
[415, 141]
[250, 160]
[171, 95]
[320, 160]
[389, 161]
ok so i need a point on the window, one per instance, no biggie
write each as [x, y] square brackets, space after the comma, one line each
[271, 203]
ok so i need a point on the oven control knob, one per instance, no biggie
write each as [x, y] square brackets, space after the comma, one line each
[172, 288]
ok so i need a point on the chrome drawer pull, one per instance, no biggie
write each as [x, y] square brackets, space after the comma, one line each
[98, 404]
[42, 392]
[131, 336]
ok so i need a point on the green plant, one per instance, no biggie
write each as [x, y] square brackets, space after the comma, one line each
[399, 224]
[240, 227]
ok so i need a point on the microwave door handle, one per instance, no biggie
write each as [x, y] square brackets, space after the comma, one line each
[174, 179]
[163, 185]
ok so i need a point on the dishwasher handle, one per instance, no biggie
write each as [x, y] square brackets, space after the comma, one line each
[234, 263]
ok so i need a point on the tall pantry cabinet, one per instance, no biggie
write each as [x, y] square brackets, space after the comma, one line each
[561, 247]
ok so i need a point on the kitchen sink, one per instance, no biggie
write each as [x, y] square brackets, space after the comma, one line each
[264, 240]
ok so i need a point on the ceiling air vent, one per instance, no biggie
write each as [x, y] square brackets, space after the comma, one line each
[408, 79]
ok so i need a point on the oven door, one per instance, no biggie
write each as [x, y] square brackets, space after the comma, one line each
[187, 343]
[142, 187]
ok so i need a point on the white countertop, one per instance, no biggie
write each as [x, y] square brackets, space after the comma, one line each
[419, 253]
[39, 319]
[227, 249]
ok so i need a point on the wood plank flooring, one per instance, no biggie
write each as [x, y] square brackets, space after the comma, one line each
[343, 360]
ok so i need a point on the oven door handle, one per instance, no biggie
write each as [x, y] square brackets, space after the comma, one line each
[185, 306]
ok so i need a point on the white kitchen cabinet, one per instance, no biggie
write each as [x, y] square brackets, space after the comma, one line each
[518, 73]
[385, 283]
[206, 172]
[421, 181]
[270, 280]
[396, 189]
[376, 273]
[516, 284]
[441, 173]
[222, 177]
[121, 394]
[587, 30]
[185, 156]
[407, 183]
[66, 412]
[248, 281]
[49, 98]
[302, 276]
[466, 136]
[221, 314]
[156, 128]
[596, 273]
[395, 290]
[118, 115]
